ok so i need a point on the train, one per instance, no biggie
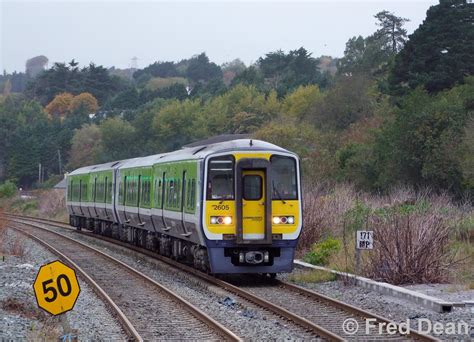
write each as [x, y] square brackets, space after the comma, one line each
[223, 205]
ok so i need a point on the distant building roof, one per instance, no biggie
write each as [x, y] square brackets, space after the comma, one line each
[61, 185]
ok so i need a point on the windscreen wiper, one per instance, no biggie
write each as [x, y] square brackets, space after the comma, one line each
[280, 197]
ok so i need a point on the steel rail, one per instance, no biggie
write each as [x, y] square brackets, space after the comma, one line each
[301, 321]
[124, 321]
[206, 319]
[349, 308]
[254, 298]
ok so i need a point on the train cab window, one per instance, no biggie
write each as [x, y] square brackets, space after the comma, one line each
[220, 179]
[252, 187]
[284, 184]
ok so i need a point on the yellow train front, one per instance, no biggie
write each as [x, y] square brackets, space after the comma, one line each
[252, 212]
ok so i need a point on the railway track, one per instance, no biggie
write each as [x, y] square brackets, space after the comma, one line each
[327, 312]
[315, 312]
[146, 309]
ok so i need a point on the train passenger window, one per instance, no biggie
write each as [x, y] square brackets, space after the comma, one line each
[84, 192]
[284, 183]
[125, 190]
[252, 187]
[177, 194]
[94, 190]
[145, 198]
[105, 190]
[170, 193]
[188, 194]
[193, 194]
[109, 192]
[159, 194]
[220, 179]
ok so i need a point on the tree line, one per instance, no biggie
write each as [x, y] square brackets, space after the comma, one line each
[394, 109]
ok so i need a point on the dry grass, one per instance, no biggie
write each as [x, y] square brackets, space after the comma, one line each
[3, 233]
[17, 247]
[324, 210]
[51, 203]
[417, 234]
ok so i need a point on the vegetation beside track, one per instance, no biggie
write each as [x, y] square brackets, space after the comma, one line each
[374, 128]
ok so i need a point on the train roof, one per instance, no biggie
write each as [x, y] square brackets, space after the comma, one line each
[193, 151]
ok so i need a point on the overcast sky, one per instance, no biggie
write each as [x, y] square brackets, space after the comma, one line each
[110, 33]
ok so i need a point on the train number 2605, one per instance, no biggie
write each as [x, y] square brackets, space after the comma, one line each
[220, 206]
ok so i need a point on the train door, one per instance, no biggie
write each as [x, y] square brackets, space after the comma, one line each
[253, 201]
[94, 196]
[162, 201]
[126, 190]
[253, 204]
[183, 204]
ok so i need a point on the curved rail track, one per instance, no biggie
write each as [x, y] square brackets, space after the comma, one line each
[315, 312]
[146, 309]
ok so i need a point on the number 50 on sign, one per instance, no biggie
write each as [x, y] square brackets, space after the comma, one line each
[56, 288]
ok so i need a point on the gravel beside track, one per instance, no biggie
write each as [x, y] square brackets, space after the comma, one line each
[154, 314]
[244, 318]
[318, 311]
[256, 324]
[21, 319]
[396, 309]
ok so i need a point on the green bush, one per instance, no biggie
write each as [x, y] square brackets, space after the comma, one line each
[7, 189]
[322, 251]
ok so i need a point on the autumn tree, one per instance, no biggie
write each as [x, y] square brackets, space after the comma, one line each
[60, 105]
[84, 103]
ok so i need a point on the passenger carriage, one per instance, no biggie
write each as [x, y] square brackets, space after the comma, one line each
[225, 206]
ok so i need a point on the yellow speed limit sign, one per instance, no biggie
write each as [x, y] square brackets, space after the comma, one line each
[56, 288]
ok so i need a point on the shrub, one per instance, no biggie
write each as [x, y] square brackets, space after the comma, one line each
[323, 212]
[7, 189]
[412, 240]
[321, 252]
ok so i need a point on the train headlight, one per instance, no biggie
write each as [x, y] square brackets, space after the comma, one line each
[283, 219]
[221, 220]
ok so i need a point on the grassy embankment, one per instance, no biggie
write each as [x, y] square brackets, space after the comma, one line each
[420, 237]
